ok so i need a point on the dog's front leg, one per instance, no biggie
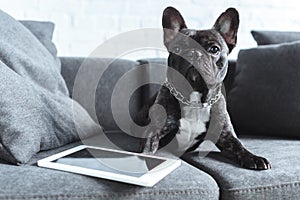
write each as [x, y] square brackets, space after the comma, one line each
[232, 148]
[230, 145]
[152, 141]
[158, 135]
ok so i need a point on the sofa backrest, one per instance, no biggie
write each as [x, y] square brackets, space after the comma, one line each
[154, 68]
[116, 70]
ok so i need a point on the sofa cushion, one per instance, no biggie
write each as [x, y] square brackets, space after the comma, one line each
[186, 182]
[23, 53]
[265, 98]
[100, 88]
[280, 182]
[36, 111]
[32, 182]
[34, 119]
[274, 37]
[43, 31]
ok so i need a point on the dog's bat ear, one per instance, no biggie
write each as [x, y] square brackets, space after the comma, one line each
[172, 22]
[227, 24]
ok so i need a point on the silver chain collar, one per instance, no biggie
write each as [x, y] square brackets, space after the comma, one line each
[187, 102]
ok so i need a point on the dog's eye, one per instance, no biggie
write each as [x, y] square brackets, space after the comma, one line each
[176, 49]
[214, 50]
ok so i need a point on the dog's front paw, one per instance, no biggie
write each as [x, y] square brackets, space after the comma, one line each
[254, 162]
[151, 145]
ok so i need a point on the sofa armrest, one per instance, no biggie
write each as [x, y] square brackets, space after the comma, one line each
[113, 70]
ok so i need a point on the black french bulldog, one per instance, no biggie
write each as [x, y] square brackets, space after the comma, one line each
[200, 56]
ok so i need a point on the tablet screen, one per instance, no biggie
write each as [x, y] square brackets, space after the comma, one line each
[110, 161]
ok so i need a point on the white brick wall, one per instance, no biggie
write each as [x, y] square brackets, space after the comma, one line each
[82, 25]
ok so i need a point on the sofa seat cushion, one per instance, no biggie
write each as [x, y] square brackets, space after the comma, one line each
[32, 182]
[280, 182]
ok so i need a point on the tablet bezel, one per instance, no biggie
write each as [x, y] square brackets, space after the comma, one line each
[148, 179]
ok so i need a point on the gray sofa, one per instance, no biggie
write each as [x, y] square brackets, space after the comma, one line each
[211, 177]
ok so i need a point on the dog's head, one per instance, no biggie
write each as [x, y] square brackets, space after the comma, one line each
[200, 55]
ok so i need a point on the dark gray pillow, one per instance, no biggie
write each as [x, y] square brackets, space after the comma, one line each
[274, 37]
[265, 97]
[36, 111]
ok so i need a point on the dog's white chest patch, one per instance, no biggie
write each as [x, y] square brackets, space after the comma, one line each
[192, 124]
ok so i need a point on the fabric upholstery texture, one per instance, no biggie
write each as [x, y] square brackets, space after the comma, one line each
[274, 37]
[25, 54]
[113, 70]
[43, 31]
[36, 111]
[31, 182]
[280, 182]
[264, 98]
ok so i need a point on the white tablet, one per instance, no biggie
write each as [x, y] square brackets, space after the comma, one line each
[133, 168]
